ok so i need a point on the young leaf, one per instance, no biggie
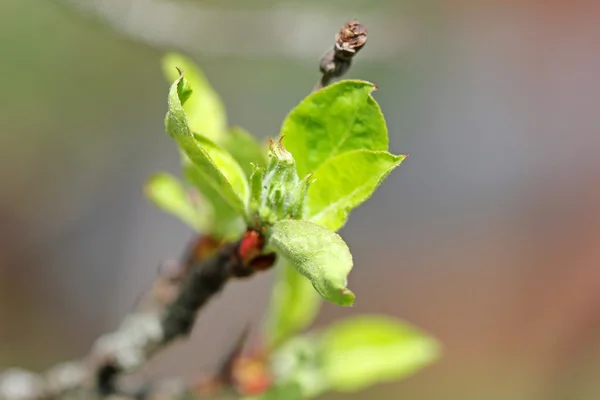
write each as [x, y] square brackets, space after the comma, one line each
[339, 118]
[245, 149]
[227, 165]
[294, 304]
[220, 171]
[226, 222]
[366, 350]
[317, 253]
[167, 193]
[204, 108]
[344, 182]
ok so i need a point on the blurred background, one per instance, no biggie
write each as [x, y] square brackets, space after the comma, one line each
[488, 236]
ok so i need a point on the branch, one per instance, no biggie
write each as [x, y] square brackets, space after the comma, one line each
[142, 335]
[337, 61]
[168, 313]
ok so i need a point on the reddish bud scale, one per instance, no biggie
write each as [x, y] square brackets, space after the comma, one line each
[251, 245]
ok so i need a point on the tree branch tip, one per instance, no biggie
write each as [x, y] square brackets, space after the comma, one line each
[352, 37]
[336, 62]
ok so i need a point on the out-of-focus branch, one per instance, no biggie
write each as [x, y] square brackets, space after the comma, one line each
[337, 61]
[143, 334]
[167, 313]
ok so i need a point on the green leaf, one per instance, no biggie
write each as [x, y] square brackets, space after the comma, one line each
[366, 350]
[226, 222]
[339, 118]
[167, 193]
[317, 253]
[228, 166]
[245, 149]
[294, 304]
[215, 166]
[204, 108]
[344, 182]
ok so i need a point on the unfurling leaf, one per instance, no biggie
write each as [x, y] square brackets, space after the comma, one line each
[344, 182]
[317, 253]
[227, 165]
[226, 222]
[294, 304]
[215, 166]
[167, 193]
[362, 351]
[204, 108]
[339, 118]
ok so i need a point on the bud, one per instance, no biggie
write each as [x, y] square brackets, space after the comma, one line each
[279, 151]
[350, 39]
[336, 62]
[283, 193]
[251, 245]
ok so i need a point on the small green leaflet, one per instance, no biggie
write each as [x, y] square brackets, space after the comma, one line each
[317, 253]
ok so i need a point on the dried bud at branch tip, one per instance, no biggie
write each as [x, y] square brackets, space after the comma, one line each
[351, 38]
[336, 62]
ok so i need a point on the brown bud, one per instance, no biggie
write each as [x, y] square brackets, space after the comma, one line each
[351, 38]
[336, 62]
